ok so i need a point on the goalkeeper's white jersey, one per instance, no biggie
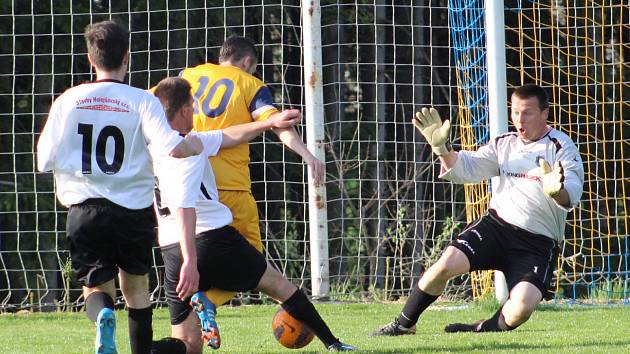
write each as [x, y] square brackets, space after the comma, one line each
[519, 198]
[188, 183]
[95, 141]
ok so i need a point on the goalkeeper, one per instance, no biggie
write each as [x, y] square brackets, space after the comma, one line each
[524, 225]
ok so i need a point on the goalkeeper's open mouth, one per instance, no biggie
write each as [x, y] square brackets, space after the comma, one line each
[522, 133]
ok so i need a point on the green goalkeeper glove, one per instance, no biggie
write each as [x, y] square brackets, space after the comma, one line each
[551, 179]
[430, 125]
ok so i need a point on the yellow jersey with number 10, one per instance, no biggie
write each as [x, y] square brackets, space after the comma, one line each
[226, 96]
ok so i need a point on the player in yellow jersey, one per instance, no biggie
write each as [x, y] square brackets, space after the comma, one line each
[227, 94]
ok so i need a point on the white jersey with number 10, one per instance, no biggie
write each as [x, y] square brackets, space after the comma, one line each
[95, 140]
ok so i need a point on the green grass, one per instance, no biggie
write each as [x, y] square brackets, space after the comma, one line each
[247, 329]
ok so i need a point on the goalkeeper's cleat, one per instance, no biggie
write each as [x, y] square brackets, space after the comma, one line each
[463, 327]
[393, 329]
[206, 311]
[340, 347]
[105, 342]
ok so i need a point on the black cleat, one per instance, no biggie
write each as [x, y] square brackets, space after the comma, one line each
[168, 345]
[393, 329]
[340, 347]
[463, 327]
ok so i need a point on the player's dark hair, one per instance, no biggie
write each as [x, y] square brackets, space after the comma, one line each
[107, 42]
[174, 93]
[532, 90]
[236, 48]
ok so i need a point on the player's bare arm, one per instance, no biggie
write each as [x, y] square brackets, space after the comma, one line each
[190, 146]
[188, 274]
[293, 141]
[242, 133]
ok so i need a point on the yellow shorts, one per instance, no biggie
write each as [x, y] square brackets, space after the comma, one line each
[246, 222]
[245, 214]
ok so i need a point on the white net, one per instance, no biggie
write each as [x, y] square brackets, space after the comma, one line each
[389, 215]
[380, 61]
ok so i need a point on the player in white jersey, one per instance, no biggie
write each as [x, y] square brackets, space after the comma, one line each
[521, 231]
[223, 257]
[95, 141]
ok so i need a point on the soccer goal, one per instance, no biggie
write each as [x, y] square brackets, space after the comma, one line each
[388, 215]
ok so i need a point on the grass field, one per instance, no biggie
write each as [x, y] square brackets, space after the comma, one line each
[247, 329]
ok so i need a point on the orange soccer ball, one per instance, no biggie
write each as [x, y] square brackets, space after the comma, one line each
[290, 332]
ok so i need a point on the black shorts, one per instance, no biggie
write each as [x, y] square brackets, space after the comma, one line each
[104, 236]
[490, 243]
[225, 260]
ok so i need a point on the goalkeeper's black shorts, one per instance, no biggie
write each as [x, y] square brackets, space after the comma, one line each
[490, 243]
[225, 260]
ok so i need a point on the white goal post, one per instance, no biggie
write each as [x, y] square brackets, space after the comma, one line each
[315, 137]
[497, 98]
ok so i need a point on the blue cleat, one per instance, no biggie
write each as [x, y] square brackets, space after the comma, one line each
[105, 332]
[206, 311]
